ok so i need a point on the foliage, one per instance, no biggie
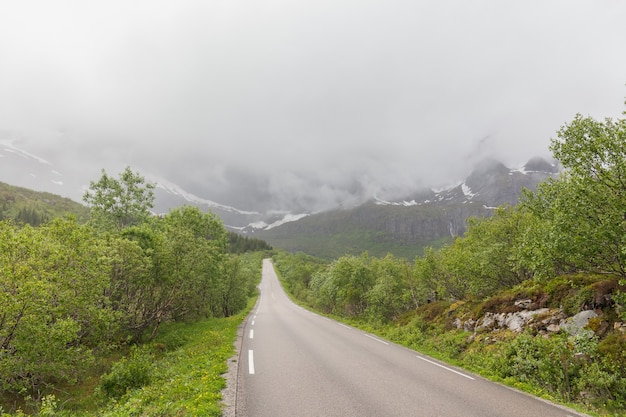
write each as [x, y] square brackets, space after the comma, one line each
[582, 213]
[368, 228]
[35, 208]
[51, 306]
[187, 380]
[128, 373]
[241, 244]
[70, 292]
[119, 203]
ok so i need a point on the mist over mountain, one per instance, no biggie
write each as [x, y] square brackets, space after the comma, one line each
[406, 226]
[64, 172]
[364, 221]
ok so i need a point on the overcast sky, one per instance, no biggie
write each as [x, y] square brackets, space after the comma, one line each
[309, 102]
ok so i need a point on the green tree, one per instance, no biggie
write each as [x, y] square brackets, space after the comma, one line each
[427, 271]
[582, 214]
[390, 295]
[133, 280]
[117, 203]
[53, 312]
[487, 258]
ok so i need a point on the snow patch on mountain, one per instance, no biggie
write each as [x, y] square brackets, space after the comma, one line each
[7, 146]
[467, 191]
[404, 203]
[288, 218]
[174, 189]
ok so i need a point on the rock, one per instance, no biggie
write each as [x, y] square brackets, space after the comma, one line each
[553, 328]
[457, 323]
[575, 324]
[469, 325]
[523, 304]
[518, 320]
[487, 323]
[513, 321]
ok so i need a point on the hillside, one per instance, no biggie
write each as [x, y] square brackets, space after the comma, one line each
[35, 207]
[405, 227]
[378, 229]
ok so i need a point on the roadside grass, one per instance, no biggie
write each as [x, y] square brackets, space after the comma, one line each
[187, 379]
[183, 369]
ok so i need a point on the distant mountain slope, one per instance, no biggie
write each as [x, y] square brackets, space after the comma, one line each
[35, 207]
[24, 169]
[405, 227]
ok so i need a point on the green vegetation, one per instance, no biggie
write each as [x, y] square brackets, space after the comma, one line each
[131, 314]
[74, 297]
[372, 228]
[35, 208]
[242, 244]
[560, 251]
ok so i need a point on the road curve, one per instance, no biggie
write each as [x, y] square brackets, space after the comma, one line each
[295, 363]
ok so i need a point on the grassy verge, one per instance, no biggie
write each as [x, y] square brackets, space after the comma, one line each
[179, 374]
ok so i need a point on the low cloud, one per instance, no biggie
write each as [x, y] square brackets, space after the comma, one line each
[303, 104]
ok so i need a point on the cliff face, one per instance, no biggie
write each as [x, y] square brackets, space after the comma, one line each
[405, 227]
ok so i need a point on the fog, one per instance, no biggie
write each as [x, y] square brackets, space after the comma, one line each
[303, 104]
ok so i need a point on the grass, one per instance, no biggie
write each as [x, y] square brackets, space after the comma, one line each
[186, 368]
[188, 380]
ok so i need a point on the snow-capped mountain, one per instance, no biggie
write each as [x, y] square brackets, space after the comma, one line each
[405, 226]
[421, 217]
[169, 195]
[491, 183]
[24, 169]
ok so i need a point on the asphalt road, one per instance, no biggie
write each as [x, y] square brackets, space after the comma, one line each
[295, 363]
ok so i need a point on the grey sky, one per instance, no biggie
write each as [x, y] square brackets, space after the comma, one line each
[309, 102]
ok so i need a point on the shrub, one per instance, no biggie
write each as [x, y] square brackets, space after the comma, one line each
[128, 374]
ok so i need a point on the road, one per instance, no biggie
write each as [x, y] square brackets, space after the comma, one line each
[295, 363]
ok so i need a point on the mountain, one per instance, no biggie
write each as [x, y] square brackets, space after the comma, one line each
[36, 207]
[403, 227]
[406, 226]
[22, 168]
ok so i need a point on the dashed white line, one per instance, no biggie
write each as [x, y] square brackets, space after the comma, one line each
[446, 368]
[376, 339]
[252, 324]
[251, 362]
[343, 325]
[251, 334]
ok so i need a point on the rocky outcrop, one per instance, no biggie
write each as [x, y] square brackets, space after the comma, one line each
[544, 320]
[514, 321]
[575, 325]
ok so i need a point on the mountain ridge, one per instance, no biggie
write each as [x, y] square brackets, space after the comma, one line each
[406, 226]
[403, 226]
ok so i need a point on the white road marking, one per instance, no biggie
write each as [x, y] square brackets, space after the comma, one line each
[446, 368]
[343, 325]
[251, 334]
[252, 324]
[251, 362]
[376, 339]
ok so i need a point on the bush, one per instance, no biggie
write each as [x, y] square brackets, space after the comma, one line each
[128, 374]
